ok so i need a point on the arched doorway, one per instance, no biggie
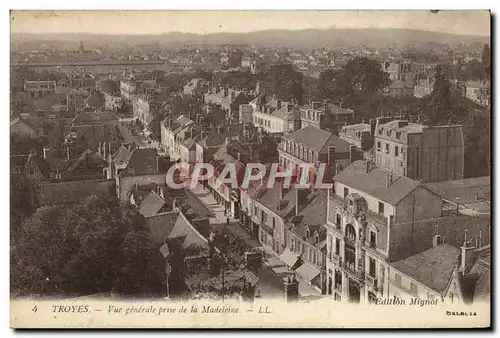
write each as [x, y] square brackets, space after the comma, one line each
[354, 291]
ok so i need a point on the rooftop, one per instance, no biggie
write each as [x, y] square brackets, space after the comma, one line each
[433, 267]
[317, 139]
[373, 182]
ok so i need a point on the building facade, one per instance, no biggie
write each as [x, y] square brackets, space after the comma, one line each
[420, 152]
[370, 221]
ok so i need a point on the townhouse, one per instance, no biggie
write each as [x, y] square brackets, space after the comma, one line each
[274, 115]
[312, 146]
[325, 115]
[227, 99]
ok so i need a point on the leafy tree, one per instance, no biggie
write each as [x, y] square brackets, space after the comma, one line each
[361, 76]
[94, 246]
[486, 58]
[439, 106]
[155, 125]
[283, 81]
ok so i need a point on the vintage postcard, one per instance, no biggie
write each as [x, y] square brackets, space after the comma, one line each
[305, 169]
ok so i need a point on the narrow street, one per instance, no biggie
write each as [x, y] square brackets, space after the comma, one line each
[273, 271]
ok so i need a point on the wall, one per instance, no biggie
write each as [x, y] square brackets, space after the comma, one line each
[370, 200]
[421, 203]
[72, 191]
[246, 113]
[403, 291]
[127, 183]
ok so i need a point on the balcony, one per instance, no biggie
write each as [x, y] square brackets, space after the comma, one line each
[350, 268]
[371, 281]
[267, 229]
[334, 258]
[350, 240]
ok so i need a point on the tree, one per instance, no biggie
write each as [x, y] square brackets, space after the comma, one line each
[486, 58]
[283, 81]
[361, 76]
[94, 246]
[439, 106]
[155, 125]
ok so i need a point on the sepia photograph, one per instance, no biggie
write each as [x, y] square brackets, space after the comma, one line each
[250, 169]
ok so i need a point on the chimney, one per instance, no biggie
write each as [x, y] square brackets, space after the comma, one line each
[467, 255]
[227, 141]
[300, 199]
[437, 239]
[291, 289]
[388, 179]
[45, 150]
[373, 124]
[239, 156]
[67, 153]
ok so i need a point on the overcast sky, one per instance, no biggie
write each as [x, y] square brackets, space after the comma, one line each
[203, 22]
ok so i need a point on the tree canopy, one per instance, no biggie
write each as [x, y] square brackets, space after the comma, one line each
[95, 246]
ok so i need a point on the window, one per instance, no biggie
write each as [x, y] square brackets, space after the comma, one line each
[396, 151]
[397, 279]
[274, 223]
[373, 239]
[387, 148]
[337, 246]
[264, 217]
[413, 287]
[371, 267]
[452, 297]
[381, 208]
[346, 192]
[379, 146]
[292, 246]
[338, 220]
[255, 211]
[398, 135]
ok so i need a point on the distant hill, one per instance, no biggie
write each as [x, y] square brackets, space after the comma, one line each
[308, 38]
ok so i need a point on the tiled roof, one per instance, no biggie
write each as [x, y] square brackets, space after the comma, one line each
[374, 182]
[141, 159]
[467, 189]
[160, 225]
[152, 204]
[183, 228]
[318, 139]
[433, 267]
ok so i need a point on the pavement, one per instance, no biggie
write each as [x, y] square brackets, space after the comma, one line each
[273, 266]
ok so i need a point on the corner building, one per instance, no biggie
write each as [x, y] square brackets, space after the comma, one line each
[372, 220]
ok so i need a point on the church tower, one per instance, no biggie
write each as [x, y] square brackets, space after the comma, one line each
[81, 48]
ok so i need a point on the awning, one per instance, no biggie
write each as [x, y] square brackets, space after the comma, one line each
[307, 272]
[288, 257]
